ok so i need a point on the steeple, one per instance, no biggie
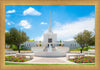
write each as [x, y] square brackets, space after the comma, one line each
[50, 30]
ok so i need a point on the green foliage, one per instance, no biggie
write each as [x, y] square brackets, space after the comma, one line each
[7, 38]
[24, 49]
[86, 48]
[84, 38]
[92, 42]
[59, 44]
[22, 46]
[10, 47]
[15, 37]
[79, 48]
[60, 41]
[40, 45]
[14, 47]
[39, 41]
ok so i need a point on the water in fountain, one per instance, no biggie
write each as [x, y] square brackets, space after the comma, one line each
[50, 48]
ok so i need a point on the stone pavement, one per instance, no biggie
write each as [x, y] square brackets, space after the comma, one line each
[49, 60]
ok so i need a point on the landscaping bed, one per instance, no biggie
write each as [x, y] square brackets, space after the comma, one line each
[15, 59]
[87, 59]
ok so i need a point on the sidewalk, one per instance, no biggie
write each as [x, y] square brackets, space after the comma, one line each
[49, 60]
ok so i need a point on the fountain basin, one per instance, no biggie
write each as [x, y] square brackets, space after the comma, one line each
[51, 54]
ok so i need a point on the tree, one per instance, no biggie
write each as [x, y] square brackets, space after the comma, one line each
[84, 38]
[15, 37]
[92, 41]
[60, 43]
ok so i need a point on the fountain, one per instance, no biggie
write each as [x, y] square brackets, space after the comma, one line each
[50, 48]
[48, 45]
[49, 52]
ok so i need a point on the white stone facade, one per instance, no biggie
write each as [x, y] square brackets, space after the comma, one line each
[70, 44]
[47, 36]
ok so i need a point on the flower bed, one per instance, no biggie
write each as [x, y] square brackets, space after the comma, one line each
[87, 59]
[15, 59]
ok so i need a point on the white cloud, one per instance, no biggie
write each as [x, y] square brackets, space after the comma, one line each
[43, 23]
[68, 30]
[25, 24]
[6, 31]
[8, 23]
[31, 11]
[11, 11]
[39, 38]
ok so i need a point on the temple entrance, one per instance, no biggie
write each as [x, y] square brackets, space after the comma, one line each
[50, 40]
[51, 45]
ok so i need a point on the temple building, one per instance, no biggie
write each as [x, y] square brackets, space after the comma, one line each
[51, 37]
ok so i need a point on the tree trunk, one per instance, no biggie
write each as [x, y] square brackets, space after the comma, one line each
[81, 49]
[18, 49]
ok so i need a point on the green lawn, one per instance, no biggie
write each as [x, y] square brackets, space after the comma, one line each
[6, 63]
[76, 50]
[24, 50]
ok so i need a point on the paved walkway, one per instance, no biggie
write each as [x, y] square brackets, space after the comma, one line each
[49, 60]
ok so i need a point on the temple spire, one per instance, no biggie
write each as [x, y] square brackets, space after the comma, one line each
[50, 30]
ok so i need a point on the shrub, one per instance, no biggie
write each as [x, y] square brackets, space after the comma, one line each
[15, 59]
[10, 47]
[14, 47]
[22, 47]
[87, 59]
[40, 44]
[59, 44]
[86, 48]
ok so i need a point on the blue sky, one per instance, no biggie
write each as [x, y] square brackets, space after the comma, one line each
[66, 20]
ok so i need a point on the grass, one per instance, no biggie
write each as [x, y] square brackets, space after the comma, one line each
[30, 40]
[76, 50]
[7, 63]
[24, 50]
